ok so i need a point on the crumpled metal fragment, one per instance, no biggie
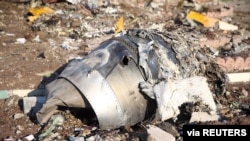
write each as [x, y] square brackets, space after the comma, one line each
[117, 79]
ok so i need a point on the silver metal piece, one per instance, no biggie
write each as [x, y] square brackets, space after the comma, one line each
[133, 103]
[115, 100]
[108, 81]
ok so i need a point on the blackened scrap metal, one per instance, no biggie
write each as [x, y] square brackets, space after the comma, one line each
[60, 93]
[181, 58]
[117, 79]
[204, 63]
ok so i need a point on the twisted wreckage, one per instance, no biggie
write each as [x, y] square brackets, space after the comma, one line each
[123, 78]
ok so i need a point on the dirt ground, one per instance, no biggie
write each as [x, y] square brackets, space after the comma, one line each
[51, 41]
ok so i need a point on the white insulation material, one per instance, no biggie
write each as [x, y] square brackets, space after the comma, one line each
[172, 94]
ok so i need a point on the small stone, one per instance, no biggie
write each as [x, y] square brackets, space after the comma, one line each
[18, 132]
[18, 116]
[75, 23]
[244, 92]
[20, 127]
[157, 134]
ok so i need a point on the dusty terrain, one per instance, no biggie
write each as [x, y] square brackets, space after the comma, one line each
[53, 40]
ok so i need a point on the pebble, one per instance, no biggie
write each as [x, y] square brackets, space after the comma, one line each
[18, 132]
[244, 92]
[18, 116]
[20, 127]
[75, 23]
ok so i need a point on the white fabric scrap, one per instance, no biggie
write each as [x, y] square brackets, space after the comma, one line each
[170, 95]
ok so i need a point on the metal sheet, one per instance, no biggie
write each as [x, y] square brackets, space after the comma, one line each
[124, 81]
